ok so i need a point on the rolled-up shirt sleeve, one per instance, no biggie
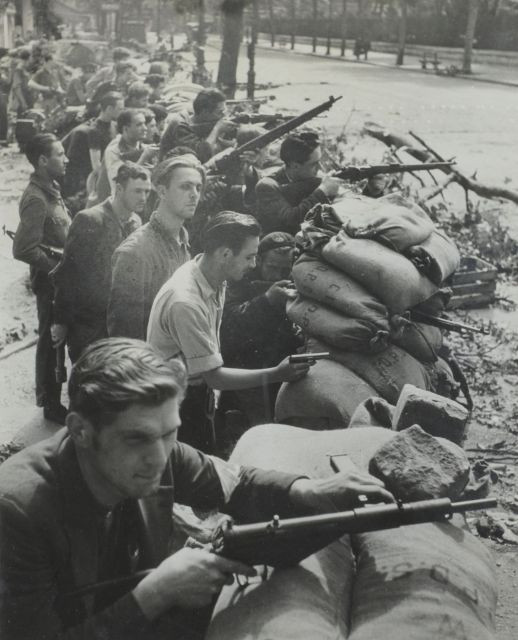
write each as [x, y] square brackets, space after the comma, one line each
[190, 327]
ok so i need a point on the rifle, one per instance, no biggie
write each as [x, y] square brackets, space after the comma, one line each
[447, 325]
[52, 252]
[284, 543]
[229, 159]
[355, 174]
[258, 118]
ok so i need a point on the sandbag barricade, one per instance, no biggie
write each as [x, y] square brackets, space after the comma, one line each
[324, 399]
[422, 582]
[344, 332]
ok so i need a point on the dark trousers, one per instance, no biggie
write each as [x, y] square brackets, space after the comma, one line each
[48, 391]
[81, 335]
[197, 416]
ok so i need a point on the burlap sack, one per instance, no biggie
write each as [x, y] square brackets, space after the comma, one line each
[354, 334]
[320, 281]
[386, 372]
[437, 257]
[324, 399]
[424, 582]
[422, 341]
[388, 275]
[391, 220]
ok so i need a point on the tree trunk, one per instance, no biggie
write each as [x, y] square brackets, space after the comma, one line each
[315, 16]
[473, 8]
[272, 23]
[293, 12]
[402, 32]
[329, 26]
[343, 27]
[232, 12]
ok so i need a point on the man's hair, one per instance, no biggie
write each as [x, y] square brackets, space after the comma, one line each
[116, 373]
[163, 173]
[297, 147]
[207, 100]
[138, 89]
[121, 67]
[160, 112]
[110, 99]
[24, 53]
[157, 68]
[131, 171]
[125, 118]
[229, 229]
[39, 145]
[120, 53]
[154, 79]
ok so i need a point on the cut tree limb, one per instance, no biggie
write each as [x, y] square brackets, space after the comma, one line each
[429, 155]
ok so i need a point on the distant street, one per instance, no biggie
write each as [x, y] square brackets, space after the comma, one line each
[474, 121]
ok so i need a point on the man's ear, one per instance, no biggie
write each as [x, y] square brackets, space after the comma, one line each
[160, 189]
[223, 254]
[81, 429]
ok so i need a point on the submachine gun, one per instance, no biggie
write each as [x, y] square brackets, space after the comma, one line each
[285, 542]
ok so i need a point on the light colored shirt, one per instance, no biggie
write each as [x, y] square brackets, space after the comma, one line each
[185, 320]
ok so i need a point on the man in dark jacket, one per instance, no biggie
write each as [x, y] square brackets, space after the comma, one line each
[255, 331]
[284, 198]
[152, 254]
[94, 503]
[83, 277]
[204, 131]
[40, 237]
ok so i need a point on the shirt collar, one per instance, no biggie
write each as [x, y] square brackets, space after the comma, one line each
[206, 289]
[158, 227]
[50, 186]
[126, 226]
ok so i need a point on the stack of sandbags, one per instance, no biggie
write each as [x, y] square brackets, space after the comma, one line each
[354, 297]
[425, 582]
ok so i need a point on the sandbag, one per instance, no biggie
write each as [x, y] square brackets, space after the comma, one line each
[419, 340]
[324, 399]
[294, 605]
[319, 281]
[354, 334]
[386, 372]
[391, 220]
[442, 379]
[424, 582]
[312, 600]
[386, 274]
[437, 257]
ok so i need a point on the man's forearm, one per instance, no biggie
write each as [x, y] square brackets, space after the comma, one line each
[227, 379]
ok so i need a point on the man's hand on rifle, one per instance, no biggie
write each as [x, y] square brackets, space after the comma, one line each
[338, 492]
[58, 333]
[190, 578]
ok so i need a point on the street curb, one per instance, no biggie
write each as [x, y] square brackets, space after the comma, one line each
[472, 78]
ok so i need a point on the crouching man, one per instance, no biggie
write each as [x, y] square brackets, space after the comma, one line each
[94, 502]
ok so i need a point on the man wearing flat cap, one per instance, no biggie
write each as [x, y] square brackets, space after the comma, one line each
[151, 255]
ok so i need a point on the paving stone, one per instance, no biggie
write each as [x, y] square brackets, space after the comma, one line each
[437, 415]
[417, 466]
